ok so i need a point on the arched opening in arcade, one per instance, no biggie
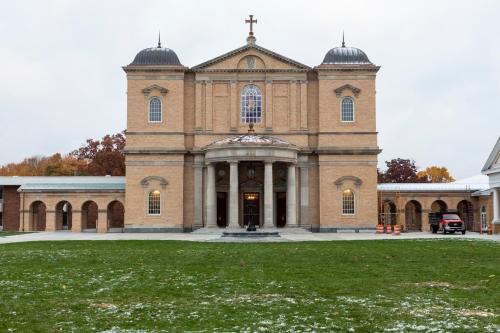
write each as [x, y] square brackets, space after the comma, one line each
[89, 216]
[64, 216]
[413, 216]
[466, 213]
[439, 206]
[389, 213]
[38, 216]
[116, 214]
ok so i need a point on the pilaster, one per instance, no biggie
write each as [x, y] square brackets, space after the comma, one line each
[233, 108]
[198, 102]
[50, 220]
[102, 221]
[198, 191]
[209, 106]
[303, 104]
[269, 105]
[293, 104]
[76, 221]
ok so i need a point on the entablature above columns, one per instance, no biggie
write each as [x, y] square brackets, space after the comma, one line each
[250, 77]
[251, 153]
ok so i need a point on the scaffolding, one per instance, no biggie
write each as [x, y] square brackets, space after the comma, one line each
[468, 214]
[386, 215]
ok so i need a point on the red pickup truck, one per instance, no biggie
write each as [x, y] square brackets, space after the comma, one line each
[447, 222]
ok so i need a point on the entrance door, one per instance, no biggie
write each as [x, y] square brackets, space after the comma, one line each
[251, 208]
[280, 209]
[221, 209]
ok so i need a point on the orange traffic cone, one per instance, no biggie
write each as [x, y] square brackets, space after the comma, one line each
[397, 231]
[388, 229]
[379, 229]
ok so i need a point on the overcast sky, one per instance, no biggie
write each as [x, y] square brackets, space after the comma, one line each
[438, 91]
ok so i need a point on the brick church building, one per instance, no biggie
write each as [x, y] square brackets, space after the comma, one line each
[250, 136]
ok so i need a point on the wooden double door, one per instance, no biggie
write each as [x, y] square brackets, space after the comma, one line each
[251, 209]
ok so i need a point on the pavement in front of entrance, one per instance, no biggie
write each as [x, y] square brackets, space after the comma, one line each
[293, 235]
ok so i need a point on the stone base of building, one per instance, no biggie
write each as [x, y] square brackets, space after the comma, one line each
[156, 230]
[495, 226]
[341, 229]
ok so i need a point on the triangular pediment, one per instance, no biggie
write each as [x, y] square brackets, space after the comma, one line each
[251, 183]
[250, 57]
[493, 161]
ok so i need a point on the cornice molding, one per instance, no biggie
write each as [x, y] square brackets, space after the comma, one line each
[347, 151]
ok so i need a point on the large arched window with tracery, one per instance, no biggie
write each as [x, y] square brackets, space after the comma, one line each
[347, 112]
[251, 104]
[155, 110]
[348, 202]
[154, 203]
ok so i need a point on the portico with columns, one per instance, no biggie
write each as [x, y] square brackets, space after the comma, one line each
[255, 176]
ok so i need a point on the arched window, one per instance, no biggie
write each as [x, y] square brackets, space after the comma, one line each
[251, 104]
[155, 110]
[348, 204]
[347, 113]
[154, 206]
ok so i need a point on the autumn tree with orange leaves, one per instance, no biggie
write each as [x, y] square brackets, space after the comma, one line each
[95, 158]
[435, 174]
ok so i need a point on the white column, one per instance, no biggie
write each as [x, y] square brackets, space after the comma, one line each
[268, 195]
[304, 196]
[496, 206]
[198, 191]
[233, 194]
[211, 197]
[291, 202]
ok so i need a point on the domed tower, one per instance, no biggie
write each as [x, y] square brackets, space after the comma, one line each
[347, 135]
[156, 56]
[155, 127]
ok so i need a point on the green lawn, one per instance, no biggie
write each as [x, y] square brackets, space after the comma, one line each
[168, 286]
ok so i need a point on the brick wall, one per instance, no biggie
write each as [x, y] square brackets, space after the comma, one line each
[11, 205]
